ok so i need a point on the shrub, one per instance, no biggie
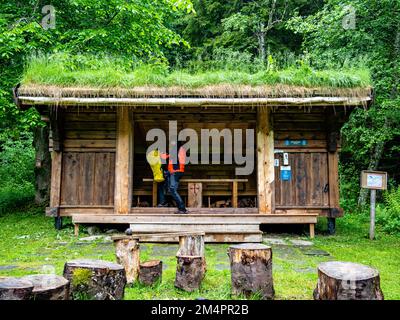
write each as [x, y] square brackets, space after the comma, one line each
[349, 186]
[388, 216]
[16, 172]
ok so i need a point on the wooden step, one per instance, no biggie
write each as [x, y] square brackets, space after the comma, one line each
[217, 226]
[207, 228]
[170, 219]
[209, 237]
[246, 219]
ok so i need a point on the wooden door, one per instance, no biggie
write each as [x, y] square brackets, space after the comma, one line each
[307, 186]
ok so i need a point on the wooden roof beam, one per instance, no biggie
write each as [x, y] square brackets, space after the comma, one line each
[25, 101]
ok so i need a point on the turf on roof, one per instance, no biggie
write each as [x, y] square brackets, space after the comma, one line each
[51, 76]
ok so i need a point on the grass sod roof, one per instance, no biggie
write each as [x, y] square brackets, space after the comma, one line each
[52, 79]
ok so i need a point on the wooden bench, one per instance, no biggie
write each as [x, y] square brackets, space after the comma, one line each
[196, 186]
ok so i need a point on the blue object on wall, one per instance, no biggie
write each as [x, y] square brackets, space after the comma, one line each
[302, 142]
[286, 173]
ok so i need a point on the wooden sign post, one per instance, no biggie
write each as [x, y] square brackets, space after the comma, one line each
[373, 180]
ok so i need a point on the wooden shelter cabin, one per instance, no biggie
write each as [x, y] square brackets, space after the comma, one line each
[100, 174]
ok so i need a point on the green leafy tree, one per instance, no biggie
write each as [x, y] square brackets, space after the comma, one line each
[256, 27]
[368, 31]
[256, 19]
[135, 29]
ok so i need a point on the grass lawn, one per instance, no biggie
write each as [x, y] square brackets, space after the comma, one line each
[29, 244]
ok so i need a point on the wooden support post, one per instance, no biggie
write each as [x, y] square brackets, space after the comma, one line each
[123, 162]
[154, 192]
[55, 186]
[234, 194]
[150, 272]
[333, 135]
[333, 176]
[265, 161]
[195, 194]
[95, 279]
[191, 262]
[127, 251]
[312, 230]
[251, 270]
[347, 281]
[56, 128]
[372, 215]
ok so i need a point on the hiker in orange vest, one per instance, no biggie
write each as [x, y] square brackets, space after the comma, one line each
[173, 170]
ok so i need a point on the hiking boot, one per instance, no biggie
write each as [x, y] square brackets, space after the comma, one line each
[162, 205]
[181, 211]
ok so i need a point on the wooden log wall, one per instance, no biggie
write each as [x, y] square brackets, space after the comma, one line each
[88, 130]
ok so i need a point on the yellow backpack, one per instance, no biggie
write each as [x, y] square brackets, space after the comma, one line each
[154, 160]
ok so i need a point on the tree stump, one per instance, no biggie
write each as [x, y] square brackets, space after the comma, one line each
[127, 251]
[95, 279]
[48, 287]
[347, 281]
[191, 245]
[251, 270]
[191, 263]
[15, 289]
[150, 272]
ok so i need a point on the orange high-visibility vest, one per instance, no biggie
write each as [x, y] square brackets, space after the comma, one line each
[176, 167]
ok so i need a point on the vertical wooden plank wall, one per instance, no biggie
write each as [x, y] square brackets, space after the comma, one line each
[123, 162]
[265, 161]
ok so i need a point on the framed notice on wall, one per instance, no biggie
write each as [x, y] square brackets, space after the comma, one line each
[376, 180]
